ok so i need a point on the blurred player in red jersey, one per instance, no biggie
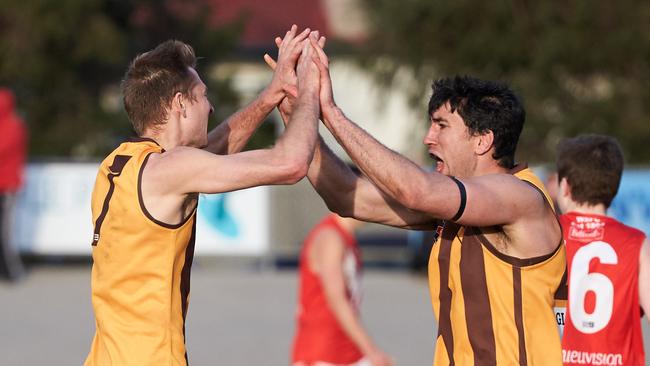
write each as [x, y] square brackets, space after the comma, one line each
[608, 262]
[13, 147]
[329, 331]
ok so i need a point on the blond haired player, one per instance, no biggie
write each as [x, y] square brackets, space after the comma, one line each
[146, 192]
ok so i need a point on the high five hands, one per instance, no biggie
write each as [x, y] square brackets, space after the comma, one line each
[290, 48]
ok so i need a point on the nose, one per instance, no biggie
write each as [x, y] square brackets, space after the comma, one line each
[211, 108]
[431, 138]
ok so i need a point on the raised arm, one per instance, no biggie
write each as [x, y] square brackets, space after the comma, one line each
[350, 195]
[188, 170]
[326, 260]
[343, 191]
[497, 199]
[232, 135]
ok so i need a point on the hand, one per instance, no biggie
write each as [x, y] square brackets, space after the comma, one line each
[379, 358]
[291, 89]
[284, 77]
[326, 95]
[307, 71]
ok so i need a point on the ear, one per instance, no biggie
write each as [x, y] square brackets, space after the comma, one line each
[565, 188]
[484, 143]
[178, 104]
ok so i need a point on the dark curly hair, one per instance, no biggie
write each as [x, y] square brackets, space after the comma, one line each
[484, 106]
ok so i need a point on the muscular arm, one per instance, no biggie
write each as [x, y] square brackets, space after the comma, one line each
[326, 260]
[644, 278]
[495, 199]
[392, 174]
[343, 191]
[502, 200]
[350, 195]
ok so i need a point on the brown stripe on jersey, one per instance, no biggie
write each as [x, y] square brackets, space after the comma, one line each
[514, 261]
[187, 268]
[524, 262]
[562, 290]
[444, 322]
[115, 170]
[519, 318]
[185, 278]
[478, 314]
[144, 208]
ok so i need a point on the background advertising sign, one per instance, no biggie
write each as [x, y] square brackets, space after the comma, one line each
[53, 210]
[632, 203]
[234, 223]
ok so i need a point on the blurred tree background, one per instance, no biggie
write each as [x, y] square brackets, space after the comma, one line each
[581, 66]
[64, 60]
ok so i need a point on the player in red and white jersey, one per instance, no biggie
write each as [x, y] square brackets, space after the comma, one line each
[608, 262]
[329, 331]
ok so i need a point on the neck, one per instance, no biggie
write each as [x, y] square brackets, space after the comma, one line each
[598, 209]
[489, 166]
[167, 137]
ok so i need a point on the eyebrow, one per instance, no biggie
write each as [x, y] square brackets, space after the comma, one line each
[438, 119]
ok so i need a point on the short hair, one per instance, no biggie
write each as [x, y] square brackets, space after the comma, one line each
[152, 80]
[592, 165]
[484, 106]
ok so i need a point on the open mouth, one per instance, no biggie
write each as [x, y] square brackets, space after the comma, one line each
[439, 162]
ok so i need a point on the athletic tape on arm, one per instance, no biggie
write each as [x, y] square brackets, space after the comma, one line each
[463, 199]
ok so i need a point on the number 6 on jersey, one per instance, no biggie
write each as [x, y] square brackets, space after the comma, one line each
[582, 282]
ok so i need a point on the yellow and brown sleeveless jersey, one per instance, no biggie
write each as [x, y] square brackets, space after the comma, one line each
[141, 268]
[493, 309]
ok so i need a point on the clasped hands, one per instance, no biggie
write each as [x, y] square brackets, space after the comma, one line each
[301, 65]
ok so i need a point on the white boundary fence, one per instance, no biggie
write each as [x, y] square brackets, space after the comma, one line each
[53, 213]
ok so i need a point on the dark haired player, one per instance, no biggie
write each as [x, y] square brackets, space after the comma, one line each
[608, 262]
[496, 266]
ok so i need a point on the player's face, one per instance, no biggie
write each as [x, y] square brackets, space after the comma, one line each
[198, 111]
[450, 144]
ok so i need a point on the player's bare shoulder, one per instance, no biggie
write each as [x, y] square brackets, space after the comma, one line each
[525, 223]
[164, 172]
